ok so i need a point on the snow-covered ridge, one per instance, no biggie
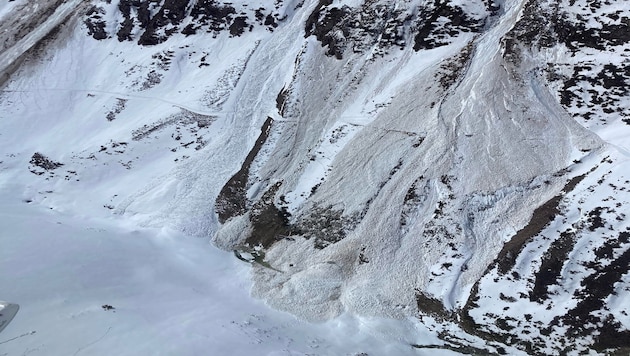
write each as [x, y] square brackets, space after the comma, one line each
[423, 159]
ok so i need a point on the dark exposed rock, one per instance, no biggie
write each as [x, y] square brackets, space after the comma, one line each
[44, 162]
[232, 199]
[238, 26]
[314, 18]
[323, 21]
[455, 66]
[215, 17]
[281, 100]
[95, 23]
[117, 109]
[172, 13]
[577, 35]
[591, 91]
[270, 21]
[374, 25]
[533, 30]
[614, 79]
[596, 288]
[325, 226]
[432, 306]
[151, 22]
[338, 28]
[269, 223]
[41, 164]
[541, 217]
[432, 33]
[142, 15]
[551, 266]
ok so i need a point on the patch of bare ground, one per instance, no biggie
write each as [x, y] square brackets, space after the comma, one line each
[193, 121]
[232, 200]
[41, 164]
[269, 224]
[117, 109]
[542, 216]
[551, 266]
[455, 66]
[462, 349]
[281, 100]
[608, 333]
[432, 306]
[590, 318]
[44, 162]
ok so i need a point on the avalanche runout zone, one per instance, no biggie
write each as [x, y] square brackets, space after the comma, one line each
[554, 189]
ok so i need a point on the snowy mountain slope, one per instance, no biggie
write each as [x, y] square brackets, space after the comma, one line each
[100, 287]
[392, 158]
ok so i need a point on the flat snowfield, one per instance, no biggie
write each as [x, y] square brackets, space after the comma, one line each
[88, 287]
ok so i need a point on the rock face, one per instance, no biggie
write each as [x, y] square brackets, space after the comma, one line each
[460, 162]
[150, 22]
